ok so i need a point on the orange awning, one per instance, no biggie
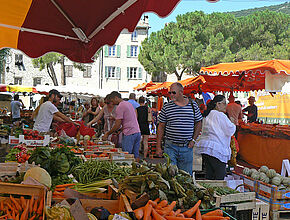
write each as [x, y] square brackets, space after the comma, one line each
[241, 76]
[144, 86]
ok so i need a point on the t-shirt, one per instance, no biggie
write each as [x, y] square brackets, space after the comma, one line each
[134, 103]
[252, 110]
[179, 121]
[234, 111]
[126, 112]
[45, 116]
[215, 137]
[15, 109]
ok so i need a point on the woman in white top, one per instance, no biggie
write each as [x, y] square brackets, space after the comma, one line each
[214, 142]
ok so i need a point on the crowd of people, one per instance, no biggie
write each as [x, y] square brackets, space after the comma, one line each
[181, 125]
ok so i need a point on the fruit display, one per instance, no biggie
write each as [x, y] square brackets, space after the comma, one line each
[32, 135]
[267, 175]
[18, 153]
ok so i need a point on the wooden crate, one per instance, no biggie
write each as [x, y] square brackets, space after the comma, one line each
[242, 201]
[279, 215]
[38, 192]
[113, 206]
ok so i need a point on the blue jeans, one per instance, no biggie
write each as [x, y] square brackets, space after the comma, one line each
[182, 156]
[131, 143]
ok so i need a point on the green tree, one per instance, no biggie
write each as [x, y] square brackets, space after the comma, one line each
[197, 39]
[47, 62]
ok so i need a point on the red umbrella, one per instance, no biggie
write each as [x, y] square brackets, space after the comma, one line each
[74, 28]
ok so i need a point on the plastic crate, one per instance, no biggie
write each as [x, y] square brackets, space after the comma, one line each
[226, 214]
[239, 215]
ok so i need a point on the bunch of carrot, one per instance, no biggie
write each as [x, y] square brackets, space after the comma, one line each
[59, 190]
[21, 209]
[164, 211]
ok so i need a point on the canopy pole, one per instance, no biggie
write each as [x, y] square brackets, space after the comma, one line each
[112, 17]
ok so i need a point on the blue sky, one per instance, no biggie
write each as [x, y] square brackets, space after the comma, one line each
[156, 23]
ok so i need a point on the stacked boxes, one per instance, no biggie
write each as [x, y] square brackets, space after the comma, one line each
[261, 212]
[152, 145]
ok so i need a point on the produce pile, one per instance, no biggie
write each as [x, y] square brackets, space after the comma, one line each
[165, 211]
[167, 182]
[267, 175]
[58, 162]
[21, 208]
[94, 170]
[18, 153]
[5, 130]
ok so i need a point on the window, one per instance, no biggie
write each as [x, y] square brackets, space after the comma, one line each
[17, 80]
[134, 36]
[112, 72]
[19, 61]
[68, 70]
[36, 81]
[134, 73]
[88, 72]
[133, 51]
[112, 51]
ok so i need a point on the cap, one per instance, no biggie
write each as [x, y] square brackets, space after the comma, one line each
[252, 97]
[55, 92]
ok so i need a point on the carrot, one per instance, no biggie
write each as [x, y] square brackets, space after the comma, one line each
[180, 215]
[169, 208]
[65, 185]
[24, 215]
[35, 207]
[40, 207]
[17, 217]
[31, 204]
[147, 211]
[4, 216]
[172, 213]
[162, 204]
[190, 212]
[23, 202]
[139, 213]
[177, 218]
[18, 207]
[153, 203]
[157, 200]
[13, 214]
[59, 189]
[178, 211]
[198, 215]
[156, 216]
[1, 205]
[213, 217]
[217, 212]
[8, 214]
[9, 206]
[33, 217]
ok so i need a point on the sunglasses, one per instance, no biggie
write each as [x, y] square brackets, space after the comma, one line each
[173, 92]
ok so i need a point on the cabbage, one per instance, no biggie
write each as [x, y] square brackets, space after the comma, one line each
[40, 175]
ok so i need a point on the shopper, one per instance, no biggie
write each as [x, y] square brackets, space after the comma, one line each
[126, 116]
[251, 109]
[132, 100]
[214, 141]
[85, 114]
[94, 110]
[180, 121]
[142, 116]
[234, 112]
[16, 105]
[48, 111]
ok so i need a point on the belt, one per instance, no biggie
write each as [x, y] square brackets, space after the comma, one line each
[184, 144]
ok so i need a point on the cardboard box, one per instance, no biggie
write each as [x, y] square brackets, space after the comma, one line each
[13, 140]
[272, 191]
[35, 143]
[262, 211]
[276, 205]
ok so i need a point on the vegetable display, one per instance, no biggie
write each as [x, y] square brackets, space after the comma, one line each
[94, 170]
[167, 182]
[18, 153]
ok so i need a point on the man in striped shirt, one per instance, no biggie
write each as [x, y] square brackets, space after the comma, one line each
[180, 125]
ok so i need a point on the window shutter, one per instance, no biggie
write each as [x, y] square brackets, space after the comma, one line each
[139, 50]
[128, 72]
[118, 50]
[140, 73]
[128, 51]
[118, 73]
[106, 51]
[106, 72]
